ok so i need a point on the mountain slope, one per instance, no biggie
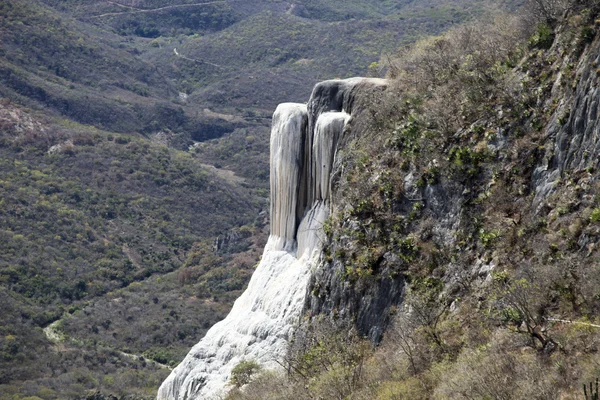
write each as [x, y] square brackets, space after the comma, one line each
[470, 241]
[88, 214]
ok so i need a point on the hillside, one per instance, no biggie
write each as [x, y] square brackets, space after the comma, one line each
[134, 180]
[89, 215]
[467, 249]
[272, 57]
[73, 59]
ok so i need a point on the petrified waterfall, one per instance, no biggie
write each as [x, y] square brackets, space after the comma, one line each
[304, 141]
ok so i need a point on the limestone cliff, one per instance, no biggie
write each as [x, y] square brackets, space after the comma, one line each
[304, 143]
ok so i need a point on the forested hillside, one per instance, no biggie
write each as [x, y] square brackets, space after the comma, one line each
[134, 168]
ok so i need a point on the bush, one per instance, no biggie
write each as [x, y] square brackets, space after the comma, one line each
[243, 373]
[408, 389]
[548, 11]
[491, 373]
[460, 66]
[595, 215]
[543, 37]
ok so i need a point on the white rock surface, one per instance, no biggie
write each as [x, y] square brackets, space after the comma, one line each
[329, 128]
[287, 152]
[263, 319]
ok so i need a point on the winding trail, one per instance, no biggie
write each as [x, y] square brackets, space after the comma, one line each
[139, 11]
[122, 5]
[566, 321]
[57, 337]
[194, 60]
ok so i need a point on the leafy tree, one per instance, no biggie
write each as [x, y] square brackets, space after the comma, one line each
[243, 372]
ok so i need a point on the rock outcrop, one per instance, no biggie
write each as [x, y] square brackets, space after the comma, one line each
[573, 139]
[304, 142]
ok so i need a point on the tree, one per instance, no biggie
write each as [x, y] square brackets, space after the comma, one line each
[242, 373]
[549, 11]
[521, 303]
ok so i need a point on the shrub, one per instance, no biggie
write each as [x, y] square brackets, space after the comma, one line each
[595, 215]
[160, 356]
[484, 374]
[543, 37]
[587, 34]
[408, 389]
[461, 66]
[548, 11]
[243, 373]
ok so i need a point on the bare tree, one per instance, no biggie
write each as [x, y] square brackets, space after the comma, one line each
[522, 303]
[549, 11]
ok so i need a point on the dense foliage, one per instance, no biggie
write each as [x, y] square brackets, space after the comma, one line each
[90, 219]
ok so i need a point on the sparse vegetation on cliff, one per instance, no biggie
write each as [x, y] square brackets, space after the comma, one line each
[500, 266]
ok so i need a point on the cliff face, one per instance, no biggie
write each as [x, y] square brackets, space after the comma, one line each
[572, 134]
[476, 232]
[363, 220]
[304, 144]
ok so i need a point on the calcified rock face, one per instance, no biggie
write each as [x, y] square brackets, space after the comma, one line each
[304, 141]
[287, 144]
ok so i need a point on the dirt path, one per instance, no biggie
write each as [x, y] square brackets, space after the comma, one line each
[566, 321]
[55, 336]
[194, 60]
[122, 5]
[138, 11]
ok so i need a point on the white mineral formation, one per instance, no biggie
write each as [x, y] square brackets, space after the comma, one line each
[287, 147]
[304, 142]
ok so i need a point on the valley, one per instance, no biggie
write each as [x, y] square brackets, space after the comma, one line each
[134, 170]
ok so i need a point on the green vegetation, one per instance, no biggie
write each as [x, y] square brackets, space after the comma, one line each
[281, 56]
[242, 373]
[104, 203]
[595, 215]
[51, 62]
[96, 228]
[543, 38]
